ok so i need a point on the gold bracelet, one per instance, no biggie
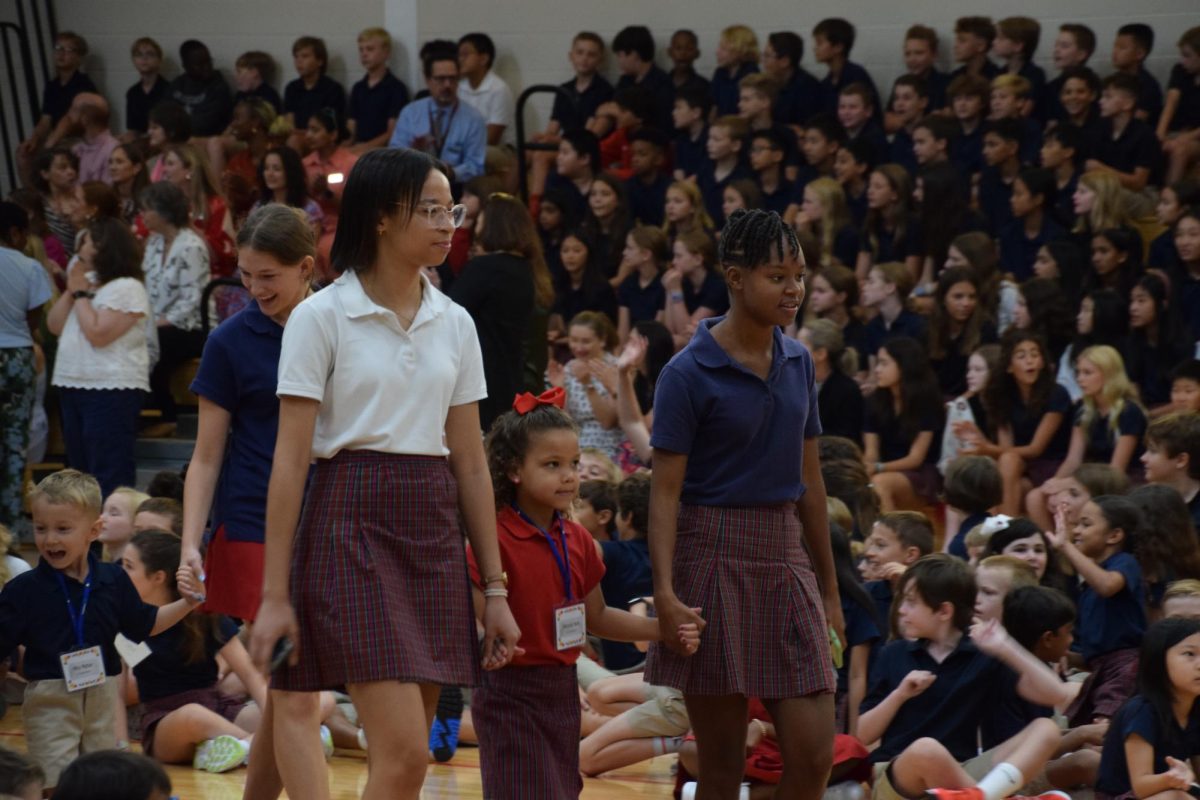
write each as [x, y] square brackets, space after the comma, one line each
[502, 577]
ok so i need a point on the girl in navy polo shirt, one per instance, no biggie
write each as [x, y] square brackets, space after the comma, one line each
[738, 526]
[1112, 614]
[1153, 737]
[527, 715]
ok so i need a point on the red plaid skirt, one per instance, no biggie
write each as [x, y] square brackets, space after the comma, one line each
[749, 571]
[527, 720]
[1112, 682]
[379, 576]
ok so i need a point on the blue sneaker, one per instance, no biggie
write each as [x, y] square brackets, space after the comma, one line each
[443, 737]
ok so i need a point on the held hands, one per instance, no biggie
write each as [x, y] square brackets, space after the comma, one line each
[675, 623]
[190, 584]
[500, 634]
[915, 683]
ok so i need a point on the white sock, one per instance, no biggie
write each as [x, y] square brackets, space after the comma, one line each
[666, 745]
[1003, 780]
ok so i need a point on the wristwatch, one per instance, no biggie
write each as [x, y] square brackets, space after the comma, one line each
[79, 294]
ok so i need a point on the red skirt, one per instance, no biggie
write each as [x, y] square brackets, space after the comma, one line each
[379, 576]
[1112, 682]
[527, 720]
[153, 711]
[749, 570]
[234, 574]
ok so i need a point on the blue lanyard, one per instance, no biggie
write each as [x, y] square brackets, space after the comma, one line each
[77, 619]
[561, 558]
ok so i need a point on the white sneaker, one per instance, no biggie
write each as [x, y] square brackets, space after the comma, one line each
[362, 739]
[220, 754]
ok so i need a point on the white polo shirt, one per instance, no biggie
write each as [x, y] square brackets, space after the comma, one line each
[380, 387]
[494, 100]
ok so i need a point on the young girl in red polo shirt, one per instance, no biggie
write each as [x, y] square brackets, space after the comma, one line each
[527, 715]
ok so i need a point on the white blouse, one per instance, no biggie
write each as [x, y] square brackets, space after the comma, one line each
[176, 283]
[121, 364]
[380, 387]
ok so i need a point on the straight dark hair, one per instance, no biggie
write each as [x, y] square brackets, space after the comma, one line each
[382, 183]
[293, 172]
[1002, 393]
[118, 254]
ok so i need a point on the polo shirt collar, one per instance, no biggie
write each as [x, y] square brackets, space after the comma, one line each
[357, 304]
[260, 323]
[511, 521]
[100, 577]
[708, 353]
[965, 645]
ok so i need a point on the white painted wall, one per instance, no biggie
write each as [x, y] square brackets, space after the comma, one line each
[533, 36]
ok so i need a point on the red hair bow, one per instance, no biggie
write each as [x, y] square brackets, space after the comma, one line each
[526, 402]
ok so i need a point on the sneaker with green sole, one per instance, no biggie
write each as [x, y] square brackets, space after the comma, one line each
[220, 754]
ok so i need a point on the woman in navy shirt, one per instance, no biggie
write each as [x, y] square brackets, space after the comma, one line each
[738, 529]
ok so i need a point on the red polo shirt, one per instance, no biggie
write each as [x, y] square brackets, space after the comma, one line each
[535, 586]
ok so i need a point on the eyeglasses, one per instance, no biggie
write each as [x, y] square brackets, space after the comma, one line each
[434, 215]
[443, 79]
[145, 54]
[64, 48]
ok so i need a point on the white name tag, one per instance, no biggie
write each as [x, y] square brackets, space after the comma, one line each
[83, 669]
[570, 626]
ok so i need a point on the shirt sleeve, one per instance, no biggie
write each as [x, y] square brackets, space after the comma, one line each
[675, 419]
[306, 355]
[471, 386]
[812, 423]
[880, 682]
[1128, 567]
[124, 294]
[1060, 401]
[472, 147]
[1132, 421]
[14, 613]
[405, 131]
[39, 287]
[137, 617]
[214, 379]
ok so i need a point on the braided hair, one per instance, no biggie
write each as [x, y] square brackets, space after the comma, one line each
[751, 239]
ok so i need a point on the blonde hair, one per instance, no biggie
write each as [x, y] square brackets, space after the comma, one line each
[762, 83]
[1189, 587]
[377, 33]
[839, 513]
[614, 472]
[1017, 84]
[1110, 209]
[1020, 573]
[1118, 389]
[6, 538]
[743, 41]
[825, 334]
[204, 183]
[135, 498]
[835, 214]
[976, 537]
[69, 487]
[700, 219]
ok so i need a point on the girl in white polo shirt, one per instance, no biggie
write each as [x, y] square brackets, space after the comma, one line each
[380, 375]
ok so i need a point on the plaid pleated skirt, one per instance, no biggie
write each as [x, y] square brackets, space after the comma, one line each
[379, 576]
[527, 720]
[748, 570]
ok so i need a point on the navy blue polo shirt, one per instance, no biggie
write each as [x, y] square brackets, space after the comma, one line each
[1102, 440]
[33, 612]
[950, 710]
[881, 593]
[966, 150]
[780, 199]
[1009, 714]
[908, 323]
[264, 91]
[57, 97]
[873, 136]
[1188, 289]
[570, 116]
[647, 201]
[995, 200]
[725, 89]
[1108, 624]
[371, 107]
[895, 442]
[846, 244]
[860, 629]
[798, 100]
[712, 294]
[1138, 716]
[900, 151]
[302, 102]
[890, 247]
[168, 672]
[1137, 146]
[851, 73]
[662, 86]
[644, 302]
[691, 154]
[1018, 251]
[742, 435]
[138, 103]
[857, 203]
[935, 84]
[1037, 82]
[958, 545]
[1187, 113]
[238, 371]
[1024, 423]
[713, 190]
[1194, 509]
[1162, 251]
[626, 576]
[1150, 95]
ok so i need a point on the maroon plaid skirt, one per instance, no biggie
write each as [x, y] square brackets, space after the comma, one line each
[1112, 682]
[379, 576]
[749, 571]
[153, 711]
[527, 720]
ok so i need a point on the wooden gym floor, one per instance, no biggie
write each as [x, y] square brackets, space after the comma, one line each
[348, 773]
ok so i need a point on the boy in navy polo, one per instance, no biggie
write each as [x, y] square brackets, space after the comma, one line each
[377, 98]
[726, 140]
[833, 39]
[67, 611]
[627, 563]
[647, 186]
[1125, 146]
[930, 692]
[1001, 154]
[690, 116]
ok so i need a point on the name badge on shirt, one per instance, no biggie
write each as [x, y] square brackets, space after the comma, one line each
[570, 626]
[131, 653]
[83, 669]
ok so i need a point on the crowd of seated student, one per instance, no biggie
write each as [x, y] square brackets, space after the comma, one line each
[988, 205]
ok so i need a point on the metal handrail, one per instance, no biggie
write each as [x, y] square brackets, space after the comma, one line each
[522, 145]
[9, 32]
[206, 296]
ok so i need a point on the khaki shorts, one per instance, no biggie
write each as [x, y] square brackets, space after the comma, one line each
[60, 726]
[882, 788]
[662, 714]
[588, 672]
